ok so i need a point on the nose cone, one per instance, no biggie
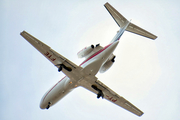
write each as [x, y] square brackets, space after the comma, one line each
[42, 104]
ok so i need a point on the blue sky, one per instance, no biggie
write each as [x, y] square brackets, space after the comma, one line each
[146, 72]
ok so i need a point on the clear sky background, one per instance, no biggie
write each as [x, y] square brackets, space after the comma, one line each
[146, 72]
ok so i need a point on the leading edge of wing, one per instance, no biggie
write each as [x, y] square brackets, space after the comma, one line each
[111, 96]
[53, 56]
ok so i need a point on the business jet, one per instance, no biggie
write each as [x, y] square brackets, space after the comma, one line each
[97, 59]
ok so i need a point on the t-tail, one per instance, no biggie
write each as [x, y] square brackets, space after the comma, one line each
[126, 25]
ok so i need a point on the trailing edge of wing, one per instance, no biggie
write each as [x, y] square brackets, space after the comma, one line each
[47, 52]
[121, 21]
[111, 96]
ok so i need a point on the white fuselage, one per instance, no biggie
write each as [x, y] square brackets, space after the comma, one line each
[90, 66]
[97, 59]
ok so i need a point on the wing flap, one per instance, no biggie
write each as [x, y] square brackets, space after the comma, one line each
[111, 96]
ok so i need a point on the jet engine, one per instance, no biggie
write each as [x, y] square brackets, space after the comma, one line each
[107, 64]
[84, 52]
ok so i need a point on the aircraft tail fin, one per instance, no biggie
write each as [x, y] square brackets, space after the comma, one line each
[122, 22]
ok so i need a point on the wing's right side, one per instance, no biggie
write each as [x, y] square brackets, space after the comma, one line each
[110, 95]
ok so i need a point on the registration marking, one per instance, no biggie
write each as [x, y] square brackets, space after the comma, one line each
[111, 98]
[49, 56]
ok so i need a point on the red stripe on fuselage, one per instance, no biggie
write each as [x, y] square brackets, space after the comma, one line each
[52, 88]
[95, 54]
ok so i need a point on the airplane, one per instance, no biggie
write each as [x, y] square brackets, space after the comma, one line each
[97, 59]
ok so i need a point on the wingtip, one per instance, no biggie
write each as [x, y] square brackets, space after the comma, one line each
[141, 115]
[106, 3]
[154, 38]
[22, 32]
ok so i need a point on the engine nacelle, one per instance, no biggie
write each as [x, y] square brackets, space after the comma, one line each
[84, 52]
[107, 64]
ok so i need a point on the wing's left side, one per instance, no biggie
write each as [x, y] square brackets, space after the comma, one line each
[110, 95]
[54, 57]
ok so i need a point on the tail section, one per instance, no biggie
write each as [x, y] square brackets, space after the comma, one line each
[120, 32]
[124, 24]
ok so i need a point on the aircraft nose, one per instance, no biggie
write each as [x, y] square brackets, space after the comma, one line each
[42, 105]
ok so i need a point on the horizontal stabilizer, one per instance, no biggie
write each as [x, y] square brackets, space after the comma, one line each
[122, 21]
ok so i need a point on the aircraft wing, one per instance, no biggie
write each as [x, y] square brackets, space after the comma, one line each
[111, 96]
[121, 21]
[54, 57]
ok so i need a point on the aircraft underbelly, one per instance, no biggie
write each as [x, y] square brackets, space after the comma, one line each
[93, 67]
[57, 92]
[65, 86]
[61, 94]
